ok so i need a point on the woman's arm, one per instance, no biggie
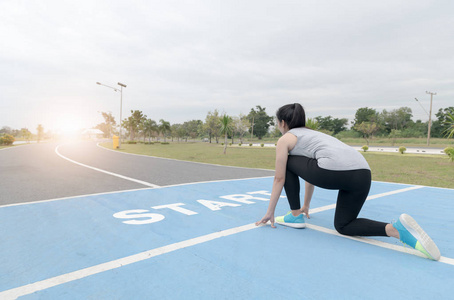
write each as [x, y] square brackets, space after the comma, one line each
[282, 149]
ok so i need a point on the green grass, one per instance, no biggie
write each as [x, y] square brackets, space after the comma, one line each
[244, 156]
[430, 170]
[407, 142]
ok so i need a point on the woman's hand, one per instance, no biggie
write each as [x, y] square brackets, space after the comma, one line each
[265, 219]
[305, 210]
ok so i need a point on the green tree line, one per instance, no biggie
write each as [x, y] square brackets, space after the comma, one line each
[368, 123]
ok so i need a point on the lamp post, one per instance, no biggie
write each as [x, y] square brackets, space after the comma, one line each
[121, 103]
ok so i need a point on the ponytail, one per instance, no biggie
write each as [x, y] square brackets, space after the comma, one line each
[293, 115]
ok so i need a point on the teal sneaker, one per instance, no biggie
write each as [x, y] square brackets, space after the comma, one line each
[412, 235]
[291, 221]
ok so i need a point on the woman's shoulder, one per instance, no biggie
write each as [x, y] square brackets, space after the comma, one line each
[288, 140]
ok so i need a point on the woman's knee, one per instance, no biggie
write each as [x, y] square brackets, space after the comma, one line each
[341, 227]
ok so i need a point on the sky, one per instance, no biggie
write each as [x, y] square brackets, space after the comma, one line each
[182, 59]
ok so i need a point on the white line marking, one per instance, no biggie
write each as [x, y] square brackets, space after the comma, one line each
[332, 206]
[398, 248]
[79, 274]
[73, 197]
[54, 281]
[106, 172]
[133, 190]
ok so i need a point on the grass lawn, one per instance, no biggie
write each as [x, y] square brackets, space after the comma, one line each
[430, 170]
[407, 142]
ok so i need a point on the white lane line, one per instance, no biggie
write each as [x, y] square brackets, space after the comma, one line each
[106, 172]
[127, 191]
[332, 206]
[54, 281]
[394, 247]
[79, 274]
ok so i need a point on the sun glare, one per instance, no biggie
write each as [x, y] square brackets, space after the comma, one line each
[68, 126]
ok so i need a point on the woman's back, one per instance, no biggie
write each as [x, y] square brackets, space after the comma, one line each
[330, 153]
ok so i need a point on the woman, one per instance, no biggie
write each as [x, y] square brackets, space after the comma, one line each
[324, 161]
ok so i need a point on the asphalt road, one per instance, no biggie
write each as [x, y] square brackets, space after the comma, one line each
[37, 172]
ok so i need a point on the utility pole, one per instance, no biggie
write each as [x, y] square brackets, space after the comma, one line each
[430, 116]
[252, 130]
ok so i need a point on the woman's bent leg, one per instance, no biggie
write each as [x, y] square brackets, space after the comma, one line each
[353, 189]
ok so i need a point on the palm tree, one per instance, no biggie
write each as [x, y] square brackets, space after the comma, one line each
[226, 128]
[149, 126]
[450, 122]
[312, 124]
[164, 127]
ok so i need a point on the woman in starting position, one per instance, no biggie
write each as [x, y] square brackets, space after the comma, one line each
[324, 161]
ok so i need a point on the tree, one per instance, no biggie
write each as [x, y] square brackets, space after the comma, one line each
[26, 134]
[133, 122]
[332, 125]
[396, 119]
[241, 125]
[367, 129]
[366, 114]
[449, 132]
[40, 130]
[164, 128]
[193, 127]
[260, 121]
[312, 124]
[177, 130]
[212, 124]
[440, 126]
[415, 129]
[108, 125]
[6, 130]
[226, 128]
[149, 127]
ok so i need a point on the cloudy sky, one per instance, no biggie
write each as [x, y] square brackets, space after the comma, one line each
[181, 59]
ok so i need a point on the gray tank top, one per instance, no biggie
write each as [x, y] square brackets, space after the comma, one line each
[330, 153]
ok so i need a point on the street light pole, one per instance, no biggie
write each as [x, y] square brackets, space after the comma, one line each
[121, 103]
[430, 116]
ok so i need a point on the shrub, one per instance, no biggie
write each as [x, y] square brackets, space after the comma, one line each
[165, 143]
[132, 142]
[222, 144]
[450, 152]
[365, 148]
[262, 145]
[239, 144]
[7, 139]
[230, 144]
[250, 145]
[402, 149]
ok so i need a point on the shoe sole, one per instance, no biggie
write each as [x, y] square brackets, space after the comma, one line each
[293, 225]
[410, 224]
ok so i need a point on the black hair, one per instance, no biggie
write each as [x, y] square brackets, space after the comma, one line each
[293, 115]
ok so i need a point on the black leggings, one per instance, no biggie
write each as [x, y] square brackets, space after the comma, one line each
[353, 189]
